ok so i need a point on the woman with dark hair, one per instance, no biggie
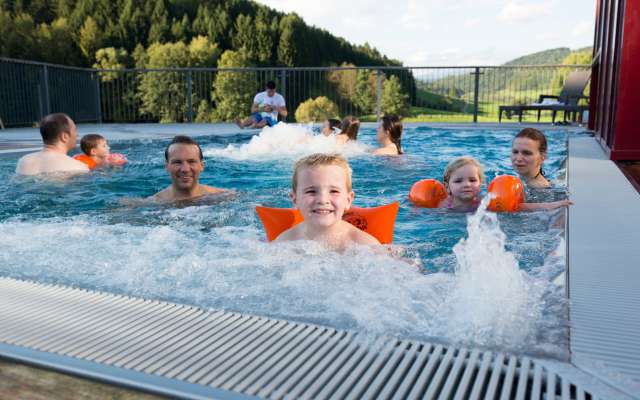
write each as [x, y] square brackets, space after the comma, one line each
[348, 130]
[528, 152]
[389, 136]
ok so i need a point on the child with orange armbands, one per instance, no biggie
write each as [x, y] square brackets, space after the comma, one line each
[321, 191]
[462, 180]
[97, 152]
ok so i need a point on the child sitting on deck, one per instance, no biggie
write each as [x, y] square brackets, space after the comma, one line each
[321, 191]
[97, 152]
[462, 180]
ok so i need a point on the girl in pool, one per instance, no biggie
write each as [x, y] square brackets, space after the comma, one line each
[331, 126]
[389, 136]
[528, 152]
[349, 130]
[463, 178]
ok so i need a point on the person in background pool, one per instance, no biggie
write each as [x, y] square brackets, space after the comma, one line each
[528, 152]
[462, 180]
[331, 126]
[348, 130]
[321, 191]
[389, 136]
[184, 163]
[97, 152]
[59, 136]
[266, 108]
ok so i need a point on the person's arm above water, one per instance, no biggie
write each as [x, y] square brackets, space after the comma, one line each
[281, 107]
[544, 206]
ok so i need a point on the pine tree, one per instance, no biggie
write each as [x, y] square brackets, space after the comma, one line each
[180, 29]
[159, 29]
[364, 96]
[244, 36]
[393, 100]
[90, 38]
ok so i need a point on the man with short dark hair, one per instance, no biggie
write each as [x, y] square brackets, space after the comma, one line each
[184, 162]
[59, 136]
[266, 107]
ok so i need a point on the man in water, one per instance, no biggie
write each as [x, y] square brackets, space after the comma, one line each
[59, 136]
[184, 162]
[266, 107]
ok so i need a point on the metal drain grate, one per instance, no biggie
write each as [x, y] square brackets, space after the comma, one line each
[192, 353]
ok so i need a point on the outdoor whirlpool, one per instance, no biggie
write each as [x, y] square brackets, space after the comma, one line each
[487, 281]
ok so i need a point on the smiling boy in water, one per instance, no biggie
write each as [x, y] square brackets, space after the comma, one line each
[321, 191]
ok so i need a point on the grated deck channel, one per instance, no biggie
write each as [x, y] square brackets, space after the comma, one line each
[187, 352]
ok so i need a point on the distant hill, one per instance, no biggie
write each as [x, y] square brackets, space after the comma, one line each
[548, 57]
[446, 93]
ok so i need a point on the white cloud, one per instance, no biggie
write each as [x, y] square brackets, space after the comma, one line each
[471, 23]
[548, 36]
[416, 15]
[583, 29]
[518, 12]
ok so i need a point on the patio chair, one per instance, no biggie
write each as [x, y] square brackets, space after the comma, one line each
[567, 101]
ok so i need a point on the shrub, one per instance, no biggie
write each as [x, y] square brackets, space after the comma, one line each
[315, 110]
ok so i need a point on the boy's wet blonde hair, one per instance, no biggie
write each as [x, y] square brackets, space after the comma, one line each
[459, 163]
[318, 159]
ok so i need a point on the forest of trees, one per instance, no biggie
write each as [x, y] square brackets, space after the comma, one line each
[71, 32]
[156, 34]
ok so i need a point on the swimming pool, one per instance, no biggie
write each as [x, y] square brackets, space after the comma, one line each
[213, 253]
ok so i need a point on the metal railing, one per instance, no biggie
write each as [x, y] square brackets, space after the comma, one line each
[30, 90]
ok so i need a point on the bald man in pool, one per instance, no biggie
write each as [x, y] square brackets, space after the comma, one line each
[59, 136]
[184, 163]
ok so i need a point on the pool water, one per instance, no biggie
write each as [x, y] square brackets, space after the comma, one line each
[482, 280]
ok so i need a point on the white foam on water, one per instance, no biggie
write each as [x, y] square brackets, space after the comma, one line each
[195, 257]
[492, 300]
[288, 141]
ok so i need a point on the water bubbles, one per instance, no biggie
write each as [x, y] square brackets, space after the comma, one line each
[286, 141]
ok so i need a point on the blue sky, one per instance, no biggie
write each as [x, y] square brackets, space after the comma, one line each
[452, 32]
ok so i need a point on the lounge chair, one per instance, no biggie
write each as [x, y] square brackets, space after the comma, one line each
[567, 101]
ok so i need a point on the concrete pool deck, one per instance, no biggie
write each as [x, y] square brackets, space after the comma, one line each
[604, 247]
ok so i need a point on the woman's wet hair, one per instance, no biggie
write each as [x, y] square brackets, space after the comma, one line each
[334, 123]
[393, 126]
[350, 126]
[536, 136]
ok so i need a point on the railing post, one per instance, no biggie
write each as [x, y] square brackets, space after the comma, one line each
[378, 93]
[283, 82]
[98, 98]
[47, 102]
[189, 99]
[476, 93]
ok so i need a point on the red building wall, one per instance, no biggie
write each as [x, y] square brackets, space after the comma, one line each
[615, 81]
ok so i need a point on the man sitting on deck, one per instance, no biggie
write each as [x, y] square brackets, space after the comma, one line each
[59, 136]
[184, 163]
[266, 107]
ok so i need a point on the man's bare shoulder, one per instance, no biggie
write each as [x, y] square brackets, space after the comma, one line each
[165, 194]
[42, 162]
[211, 190]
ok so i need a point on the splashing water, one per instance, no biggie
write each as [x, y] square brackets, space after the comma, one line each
[195, 257]
[492, 301]
[286, 141]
